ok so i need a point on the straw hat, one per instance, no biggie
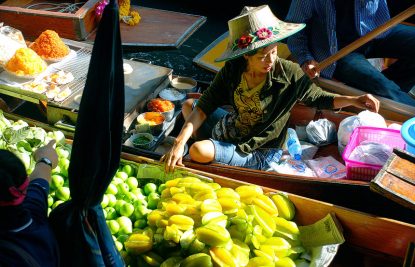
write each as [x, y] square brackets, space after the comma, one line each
[254, 28]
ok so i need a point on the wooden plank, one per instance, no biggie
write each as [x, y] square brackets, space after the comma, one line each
[403, 169]
[389, 109]
[158, 27]
[74, 26]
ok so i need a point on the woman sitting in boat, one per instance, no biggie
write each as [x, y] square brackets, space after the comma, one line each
[261, 88]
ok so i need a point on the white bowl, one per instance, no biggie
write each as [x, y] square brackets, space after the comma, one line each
[173, 95]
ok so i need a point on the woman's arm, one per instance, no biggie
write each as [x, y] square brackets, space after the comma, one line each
[175, 155]
[366, 101]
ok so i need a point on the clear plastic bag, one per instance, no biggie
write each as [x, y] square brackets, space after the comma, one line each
[321, 132]
[371, 153]
[293, 167]
[364, 118]
[309, 150]
[327, 167]
[11, 39]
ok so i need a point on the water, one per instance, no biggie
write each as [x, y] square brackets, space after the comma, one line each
[293, 144]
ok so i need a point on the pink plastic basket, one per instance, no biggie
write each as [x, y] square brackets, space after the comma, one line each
[363, 171]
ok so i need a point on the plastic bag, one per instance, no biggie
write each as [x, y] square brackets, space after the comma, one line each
[327, 167]
[371, 153]
[301, 132]
[364, 118]
[293, 167]
[10, 40]
[395, 126]
[309, 150]
[369, 118]
[321, 132]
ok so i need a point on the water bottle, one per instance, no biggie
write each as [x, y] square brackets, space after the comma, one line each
[293, 144]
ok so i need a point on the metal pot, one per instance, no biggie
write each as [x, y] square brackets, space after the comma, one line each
[184, 84]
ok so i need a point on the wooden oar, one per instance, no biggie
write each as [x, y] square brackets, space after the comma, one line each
[366, 38]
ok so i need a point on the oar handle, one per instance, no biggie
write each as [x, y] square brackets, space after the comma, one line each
[366, 38]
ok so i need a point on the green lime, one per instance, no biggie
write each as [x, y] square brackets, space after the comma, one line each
[150, 188]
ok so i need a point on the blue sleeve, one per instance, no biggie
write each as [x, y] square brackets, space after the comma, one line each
[300, 12]
[36, 200]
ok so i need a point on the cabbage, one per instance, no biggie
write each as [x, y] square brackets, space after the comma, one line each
[4, 123]
[12, 135]
[19, 124]
[36, 136]
[24, 146]
[58, 136]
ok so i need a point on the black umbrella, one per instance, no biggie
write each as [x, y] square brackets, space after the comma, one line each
[79, 224]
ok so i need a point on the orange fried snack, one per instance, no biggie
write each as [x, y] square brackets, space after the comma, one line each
[153, 118]
[50, 46]
[160, 105]
[26, 62]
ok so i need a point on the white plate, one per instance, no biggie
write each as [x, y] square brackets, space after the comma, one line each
[28, 77]
[172, 94]
[54, 60]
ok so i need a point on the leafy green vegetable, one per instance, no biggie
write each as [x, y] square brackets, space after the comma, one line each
[24, 146]
[141, 140]
[36, 137]
[12, 136]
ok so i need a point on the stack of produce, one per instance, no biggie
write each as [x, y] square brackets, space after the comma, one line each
[182, 221]
[50, 46]
[25, 62]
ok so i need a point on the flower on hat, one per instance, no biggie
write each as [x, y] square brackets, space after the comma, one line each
[247, 39]
[244, 41]
[264, 33]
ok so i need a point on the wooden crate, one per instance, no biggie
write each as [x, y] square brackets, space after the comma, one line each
[396, 180]
[32, 21]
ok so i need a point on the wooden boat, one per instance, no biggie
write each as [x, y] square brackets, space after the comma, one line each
[354, 194]
[370, 240]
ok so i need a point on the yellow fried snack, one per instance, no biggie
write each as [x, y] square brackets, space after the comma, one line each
[26, 62]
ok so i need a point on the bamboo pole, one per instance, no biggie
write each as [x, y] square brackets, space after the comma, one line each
[368, 37]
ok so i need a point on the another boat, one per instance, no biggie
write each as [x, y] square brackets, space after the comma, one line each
[370, 240]
[354, 194]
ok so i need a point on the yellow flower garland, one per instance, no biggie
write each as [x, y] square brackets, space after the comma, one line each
[129, 17]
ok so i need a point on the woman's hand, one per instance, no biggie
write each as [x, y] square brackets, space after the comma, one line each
[173, 157]
[311, 68]
[43, 171]
[47, 151]
[368, 102]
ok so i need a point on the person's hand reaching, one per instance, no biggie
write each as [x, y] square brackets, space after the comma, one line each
[173, 157]
[368, 102]
[311, 68]
[47, 151]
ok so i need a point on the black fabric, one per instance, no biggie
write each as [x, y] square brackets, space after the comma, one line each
[13, 255]
[27, 227]
[79, 224]
[346, 31]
